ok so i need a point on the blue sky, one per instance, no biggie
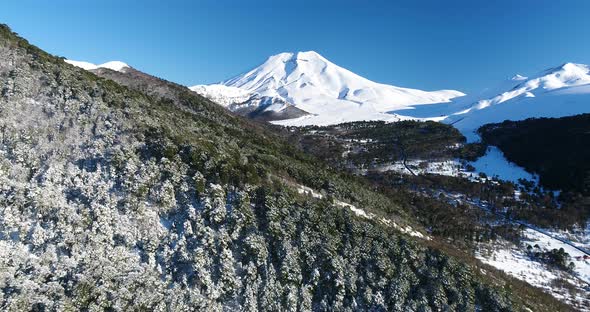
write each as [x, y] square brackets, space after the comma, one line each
[464, 45]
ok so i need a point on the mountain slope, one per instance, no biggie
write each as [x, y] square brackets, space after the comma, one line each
[556, 92]
[223, 95]
[250, 104]
[114, 199]
[330, 93]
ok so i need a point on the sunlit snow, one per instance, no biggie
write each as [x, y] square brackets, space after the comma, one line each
[330, 93]
[113, 65]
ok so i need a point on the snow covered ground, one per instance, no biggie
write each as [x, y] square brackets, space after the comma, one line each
[582, 269]
[517, 261]
[352, 113]
[572, 287]
[552, 104]
[332, 95]
[514, 261]
[579, 236]
[556, 92]
[418, 166]
[493, 163]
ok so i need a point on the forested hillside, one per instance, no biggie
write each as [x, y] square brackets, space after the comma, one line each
[558, 149]
[112, 199]
[494, 220]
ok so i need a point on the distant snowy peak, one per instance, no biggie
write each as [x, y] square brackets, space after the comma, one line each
[518, 77]
[564, 76]
[328, 92]
[307, 78]
[113, 65]
[556, 92]
[568, 75]
[278, 69]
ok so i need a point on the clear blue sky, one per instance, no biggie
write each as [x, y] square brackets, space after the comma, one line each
[465, 45]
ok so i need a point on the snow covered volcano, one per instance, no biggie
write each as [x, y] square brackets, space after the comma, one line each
[555, 92]
[327, 93]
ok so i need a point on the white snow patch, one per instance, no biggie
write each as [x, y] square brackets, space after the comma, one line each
[357, 211]
[493, 163]
[83, 65]
[514, 261]
[579, 235]
[518, 77]
[444, 167]
[301, 189]
[113, 65]
[582, 269]
[222, 94]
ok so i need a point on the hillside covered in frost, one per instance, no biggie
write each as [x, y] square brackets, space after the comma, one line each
[113, 199]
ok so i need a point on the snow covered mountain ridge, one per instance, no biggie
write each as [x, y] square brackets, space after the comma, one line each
[565, 76]
[555, 92]
[113, 65]
[328, 92]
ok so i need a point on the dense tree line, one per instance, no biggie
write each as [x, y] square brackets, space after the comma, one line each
[533, 205]
[369, 144]
[373, 144]
[557, 149]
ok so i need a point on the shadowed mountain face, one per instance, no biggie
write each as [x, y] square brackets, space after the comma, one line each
[250, 104]
[141, 195]
[254, 107]
[262, 112]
